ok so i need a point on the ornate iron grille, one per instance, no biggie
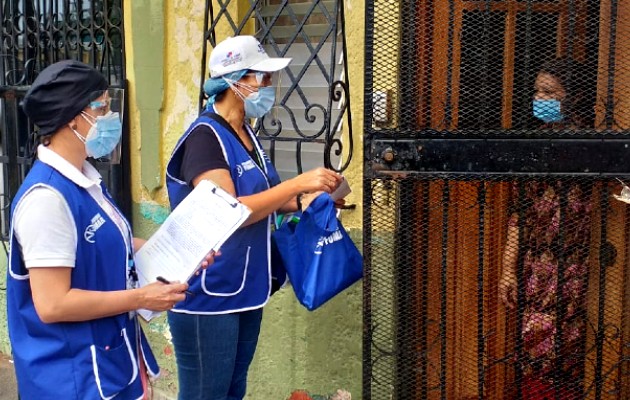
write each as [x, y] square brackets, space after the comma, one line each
[34, 35]
[305, 130]
[496, 251]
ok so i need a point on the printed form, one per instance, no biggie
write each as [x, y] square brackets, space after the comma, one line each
[202, 222]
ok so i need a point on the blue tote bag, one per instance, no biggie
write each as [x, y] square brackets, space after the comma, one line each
[319, 256]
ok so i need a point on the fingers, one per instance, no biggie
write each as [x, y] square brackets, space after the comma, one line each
[209, 260]
[503, 293]
[176, 293]
[507, 292]
[177, 287]
[320, 179]
[307, 199]
[177, 297]
[333, 185]
[159, 296]
[512, 297]
[340, 203]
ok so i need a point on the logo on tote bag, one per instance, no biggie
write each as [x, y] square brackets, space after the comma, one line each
[326, 240]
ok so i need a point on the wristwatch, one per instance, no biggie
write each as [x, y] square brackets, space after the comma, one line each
[298, 200]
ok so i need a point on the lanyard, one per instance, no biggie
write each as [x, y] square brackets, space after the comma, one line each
[132, 274]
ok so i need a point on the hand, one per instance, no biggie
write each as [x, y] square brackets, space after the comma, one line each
[317, 180]
[158, 296]
[507, 289]
[209, 260]
[339, 203]
[307, 198]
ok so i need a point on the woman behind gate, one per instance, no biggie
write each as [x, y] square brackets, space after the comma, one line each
[549, 230]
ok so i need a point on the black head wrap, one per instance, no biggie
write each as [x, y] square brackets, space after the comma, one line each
[60, 92]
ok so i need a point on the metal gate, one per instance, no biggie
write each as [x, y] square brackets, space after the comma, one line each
[35, 34]
[496, 251]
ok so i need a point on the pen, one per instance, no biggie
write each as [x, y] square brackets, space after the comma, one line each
[166, 281]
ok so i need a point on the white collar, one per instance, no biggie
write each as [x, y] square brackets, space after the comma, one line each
[89, 176]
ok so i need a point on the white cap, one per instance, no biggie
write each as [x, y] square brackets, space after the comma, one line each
[243, 52]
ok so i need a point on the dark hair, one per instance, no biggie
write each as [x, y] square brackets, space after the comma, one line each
[578, 81]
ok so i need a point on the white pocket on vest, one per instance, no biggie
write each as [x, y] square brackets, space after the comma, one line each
[227, 279]
[114, 368]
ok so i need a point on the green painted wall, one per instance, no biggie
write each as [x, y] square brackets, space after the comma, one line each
[147, 26]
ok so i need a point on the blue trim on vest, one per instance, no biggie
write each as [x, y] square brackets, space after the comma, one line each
[75, 360]
[240, 278]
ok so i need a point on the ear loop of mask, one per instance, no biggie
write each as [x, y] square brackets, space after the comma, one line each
[77, 134]
[90, 119]
[235, 85]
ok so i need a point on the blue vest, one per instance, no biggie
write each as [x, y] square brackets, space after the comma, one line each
[76, 360]
[239, 279]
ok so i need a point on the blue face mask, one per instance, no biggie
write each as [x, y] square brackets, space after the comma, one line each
[548, 110]
[259, 103]
[104, 135]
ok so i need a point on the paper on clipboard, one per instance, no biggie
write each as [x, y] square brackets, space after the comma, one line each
[202, 222]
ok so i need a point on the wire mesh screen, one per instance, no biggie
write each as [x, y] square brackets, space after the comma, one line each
[496, 228]
[495, 289]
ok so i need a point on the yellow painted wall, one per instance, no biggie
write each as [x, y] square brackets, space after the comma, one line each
[355, 37]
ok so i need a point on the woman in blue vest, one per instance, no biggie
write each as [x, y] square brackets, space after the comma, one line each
[71, 281]
[215, 332]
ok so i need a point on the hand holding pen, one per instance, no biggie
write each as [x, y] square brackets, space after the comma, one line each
[158, 296]
[167, 282]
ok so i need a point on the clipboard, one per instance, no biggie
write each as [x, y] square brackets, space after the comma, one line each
[202, 222]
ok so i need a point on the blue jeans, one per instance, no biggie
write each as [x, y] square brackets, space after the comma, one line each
[213, 353]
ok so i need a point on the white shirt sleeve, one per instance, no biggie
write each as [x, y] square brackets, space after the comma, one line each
[45, 229]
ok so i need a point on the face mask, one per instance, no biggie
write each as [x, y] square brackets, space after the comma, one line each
[548, 110]
[103, 136]
[259, 103]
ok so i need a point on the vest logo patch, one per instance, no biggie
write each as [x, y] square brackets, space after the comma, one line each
[326, 240]
[97, 222]
[246, 166]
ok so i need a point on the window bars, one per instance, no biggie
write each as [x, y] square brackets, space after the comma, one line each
[34, 35]
[314, 99]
